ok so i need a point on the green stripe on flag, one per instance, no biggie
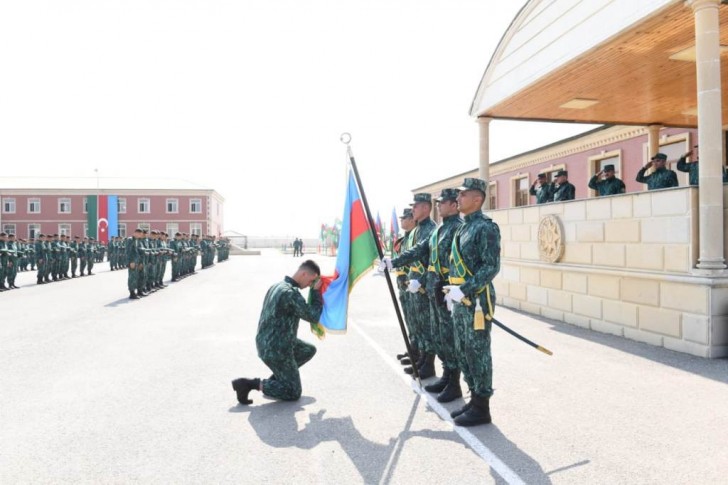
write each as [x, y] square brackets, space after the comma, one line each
[92, 216]
[363, 255]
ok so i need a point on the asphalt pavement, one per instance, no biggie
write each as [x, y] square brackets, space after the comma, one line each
[97, 388]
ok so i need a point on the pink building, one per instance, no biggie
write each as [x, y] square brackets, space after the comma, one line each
[33, 205]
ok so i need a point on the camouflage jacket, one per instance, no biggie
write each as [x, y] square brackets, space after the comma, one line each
[418, 256]
[659, 179]
[607, 186]
[283, 308]
[542, 194]
[441, 252]
[478, 243]
[565, 191]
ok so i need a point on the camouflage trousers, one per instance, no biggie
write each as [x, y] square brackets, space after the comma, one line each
[285, 384]
[473, 348]
[11, 272]
[404, 300]
[90, 264]
[133, 279]
[74, 265]
[442, 334]
[420, 316]
[82, 267]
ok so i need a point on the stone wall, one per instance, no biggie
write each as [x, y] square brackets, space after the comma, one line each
[626, 269]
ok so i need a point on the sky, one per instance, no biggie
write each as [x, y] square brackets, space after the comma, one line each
[250, 98]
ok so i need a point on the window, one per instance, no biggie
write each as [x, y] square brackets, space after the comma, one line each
[9, 229]
[9, 205]
[520, 191]
[33, 230]
[121, 205]
[492, 196]
[144, 227]
[85, 205]
[64, 229]
[33, 206]
[121, 228]
[144, 206]
[172, 228]
[196, 206]
[85, 230]
[196, 228]
[64, 206]
[172, 206]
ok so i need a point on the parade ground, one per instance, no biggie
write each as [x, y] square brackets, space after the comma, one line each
[96, 388]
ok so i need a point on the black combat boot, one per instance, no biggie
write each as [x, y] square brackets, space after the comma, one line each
[419, 359]
[461, 410]
[452, 390]
[402, 356]
[441, 383]
[427, 369]
[133, 296]
[479, 412]
[243, 386]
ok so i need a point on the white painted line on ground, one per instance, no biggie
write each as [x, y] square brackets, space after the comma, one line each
[483, 451]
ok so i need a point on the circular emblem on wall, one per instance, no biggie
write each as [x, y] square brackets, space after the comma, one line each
[550, 239]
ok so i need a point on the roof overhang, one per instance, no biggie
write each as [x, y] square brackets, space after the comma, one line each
[611, 62]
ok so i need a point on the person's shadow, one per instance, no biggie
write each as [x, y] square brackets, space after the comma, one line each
[276, 425]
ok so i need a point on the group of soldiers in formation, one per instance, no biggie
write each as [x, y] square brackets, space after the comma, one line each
[444, 276]
[606, 183]
[58, 257]
[145, 255]
[54, 257]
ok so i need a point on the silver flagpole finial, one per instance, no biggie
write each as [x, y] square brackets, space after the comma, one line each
[345, 138]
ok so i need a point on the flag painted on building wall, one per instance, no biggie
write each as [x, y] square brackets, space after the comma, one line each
[356, 255]
[102, 217]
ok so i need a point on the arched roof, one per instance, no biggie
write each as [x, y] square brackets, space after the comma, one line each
[607, 61]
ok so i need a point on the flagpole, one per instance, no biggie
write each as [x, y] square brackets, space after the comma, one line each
[346, 139]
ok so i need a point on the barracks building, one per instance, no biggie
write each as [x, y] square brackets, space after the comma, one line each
[645, 265]
[33, 205]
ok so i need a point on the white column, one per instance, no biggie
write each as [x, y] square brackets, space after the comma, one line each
[484, 167]
[653, 141]
[707, 48]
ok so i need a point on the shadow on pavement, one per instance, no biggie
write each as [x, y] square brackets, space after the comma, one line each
[716, 369]
[120, 301]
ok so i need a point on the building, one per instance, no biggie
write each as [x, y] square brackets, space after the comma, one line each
[33, 205]
[646, 265]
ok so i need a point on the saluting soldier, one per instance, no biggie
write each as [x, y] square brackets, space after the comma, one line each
[562, 189]
[661, 177]
[474, 262]
[609, 185]
[541, 189]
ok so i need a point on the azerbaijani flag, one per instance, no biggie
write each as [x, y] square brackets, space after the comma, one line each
[394, 229]
[356, 255]
[102, 217]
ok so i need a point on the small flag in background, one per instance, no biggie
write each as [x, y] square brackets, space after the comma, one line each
[394, 229]
[356, 255]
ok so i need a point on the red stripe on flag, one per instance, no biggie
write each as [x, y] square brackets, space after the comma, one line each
[103, 219]
[359, 223]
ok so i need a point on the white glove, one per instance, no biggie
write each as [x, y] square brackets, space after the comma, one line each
[386, 262]
[454, 293]
[450, 304]
[413, 286]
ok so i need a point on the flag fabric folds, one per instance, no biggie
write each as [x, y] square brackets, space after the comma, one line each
[394, 229]
[102, 217]
[356, 255]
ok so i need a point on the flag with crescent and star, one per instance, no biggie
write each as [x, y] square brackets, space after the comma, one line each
[102, 217]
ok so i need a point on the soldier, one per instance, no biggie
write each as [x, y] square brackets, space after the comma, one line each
[65, 256]
[419, 259]
[661, 177]
[693, 168]
[3, 260]
[40, 259]
[562, 189]
[401, 245]
[610, 185]
[542, 192]
[14, 253]
[135, 257]
[91, 255]
[474, 262]
[74, 248]
[276, 341]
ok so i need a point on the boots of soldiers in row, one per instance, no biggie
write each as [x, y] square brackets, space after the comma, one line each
[427, 369]
[452, 390]
[477, 413]
[441, 383]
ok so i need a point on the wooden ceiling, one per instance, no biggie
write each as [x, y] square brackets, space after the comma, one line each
[632, 77]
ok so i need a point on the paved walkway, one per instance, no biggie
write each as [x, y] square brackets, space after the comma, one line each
[95, 388]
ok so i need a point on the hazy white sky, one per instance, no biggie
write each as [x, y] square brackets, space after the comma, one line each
[250, 97]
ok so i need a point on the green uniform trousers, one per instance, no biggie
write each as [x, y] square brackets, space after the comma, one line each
[285, 384]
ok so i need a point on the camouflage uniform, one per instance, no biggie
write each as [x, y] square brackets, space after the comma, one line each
[276, 341]
[565, 191]
[693, 169]
[401, 245]
[135, 257]
[542, 194]
[610, 186]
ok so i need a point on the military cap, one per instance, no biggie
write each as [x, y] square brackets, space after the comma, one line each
[91, 239]
[422, 197]
[3, 234]
[448, 194]
[473, 184]
[41, 235]
[562, 172]
[659, 156]
[406, 214]
[609, 168]
[76, 237]
[542, 175]
[55, 235]
[11, 235]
